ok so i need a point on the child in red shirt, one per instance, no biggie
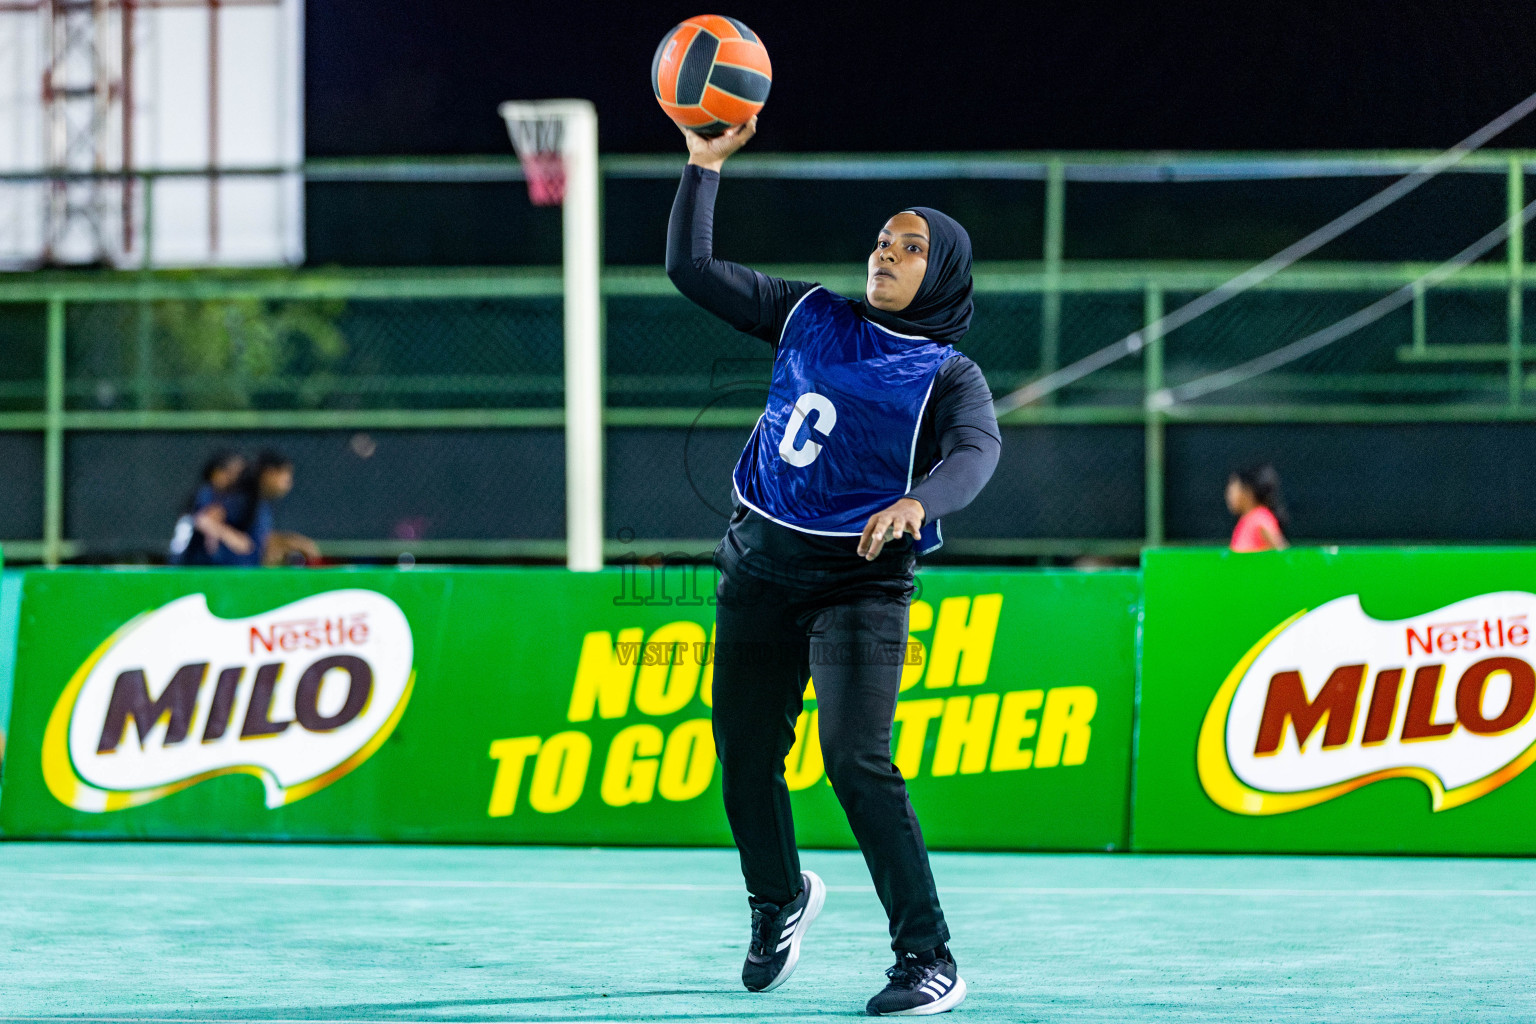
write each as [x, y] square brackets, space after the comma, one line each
[1253, 495]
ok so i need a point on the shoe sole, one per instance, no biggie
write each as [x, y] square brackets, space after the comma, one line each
[812, 908]
[951, 999]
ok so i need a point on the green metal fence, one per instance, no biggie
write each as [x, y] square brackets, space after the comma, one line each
[466, 349]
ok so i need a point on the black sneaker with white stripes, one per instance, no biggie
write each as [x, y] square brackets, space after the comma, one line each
[776, 935]
[920, 984]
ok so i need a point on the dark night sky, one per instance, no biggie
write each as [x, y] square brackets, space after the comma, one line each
[425, 77]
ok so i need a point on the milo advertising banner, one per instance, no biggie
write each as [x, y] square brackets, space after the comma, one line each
[1338, 701]
[531, 706]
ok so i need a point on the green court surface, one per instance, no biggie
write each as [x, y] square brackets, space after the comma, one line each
[183, 932]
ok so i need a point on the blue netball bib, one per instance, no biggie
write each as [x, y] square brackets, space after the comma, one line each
[838, 439]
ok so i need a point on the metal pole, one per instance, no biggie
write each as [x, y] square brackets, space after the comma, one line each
[53, 438]
[1050, 297]
[144, 363]
[149, 222]
[127, 99]
[213, 129]
[1516, 254]
[583, 344]
[1420, 318]
[1153, 367]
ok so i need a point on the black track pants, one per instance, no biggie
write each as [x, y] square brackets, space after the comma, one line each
[769, 639]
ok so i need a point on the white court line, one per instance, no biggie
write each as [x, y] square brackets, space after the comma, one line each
[984, 890]
[1208, 891]
[362, 883]
[247, 1019]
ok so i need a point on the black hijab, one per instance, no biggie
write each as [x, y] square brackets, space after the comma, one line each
[941, 309]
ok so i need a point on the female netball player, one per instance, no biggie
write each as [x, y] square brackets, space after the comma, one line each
[875, 428]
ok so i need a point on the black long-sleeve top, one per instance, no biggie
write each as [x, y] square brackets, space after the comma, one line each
[958, 441]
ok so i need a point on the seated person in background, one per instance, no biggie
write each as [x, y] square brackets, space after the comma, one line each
[1253, 495]
[201, 528]
[248, 508]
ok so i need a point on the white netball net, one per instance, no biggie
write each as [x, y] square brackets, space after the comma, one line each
[538, 137]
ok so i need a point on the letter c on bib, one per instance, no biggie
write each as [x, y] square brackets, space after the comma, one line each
[826, 419]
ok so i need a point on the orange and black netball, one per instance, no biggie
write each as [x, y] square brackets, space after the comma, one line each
[711, 72]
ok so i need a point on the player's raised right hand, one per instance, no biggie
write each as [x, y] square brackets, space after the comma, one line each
[710, 154]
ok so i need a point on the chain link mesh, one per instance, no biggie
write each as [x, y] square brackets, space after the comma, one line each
[23, 332]
[329, 354]
[1382, 363]
[663, 353]
[669, 367]
[126, 488]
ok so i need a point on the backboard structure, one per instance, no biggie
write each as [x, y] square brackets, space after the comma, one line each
[557, 143]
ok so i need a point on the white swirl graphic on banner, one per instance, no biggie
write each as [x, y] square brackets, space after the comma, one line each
[1333, 699]
[298, 696]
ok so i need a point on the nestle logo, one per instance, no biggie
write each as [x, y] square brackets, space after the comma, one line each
[1469, 635]
[311, 634]
[1457, 714]
[297, 695]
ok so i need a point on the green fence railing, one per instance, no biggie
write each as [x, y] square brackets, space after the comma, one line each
[480, 348]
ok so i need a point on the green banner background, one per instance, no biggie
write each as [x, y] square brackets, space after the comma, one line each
[497, 655]
[10, 615]
[1205, 609]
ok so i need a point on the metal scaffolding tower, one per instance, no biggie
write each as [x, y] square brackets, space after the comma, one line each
[86, 102]
[103, 99]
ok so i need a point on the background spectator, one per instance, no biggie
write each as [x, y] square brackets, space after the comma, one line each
[248, 508]
[1253, 495]
[202, 527]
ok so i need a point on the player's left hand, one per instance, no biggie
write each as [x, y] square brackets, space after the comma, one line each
[711, 152]
[904, 517]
